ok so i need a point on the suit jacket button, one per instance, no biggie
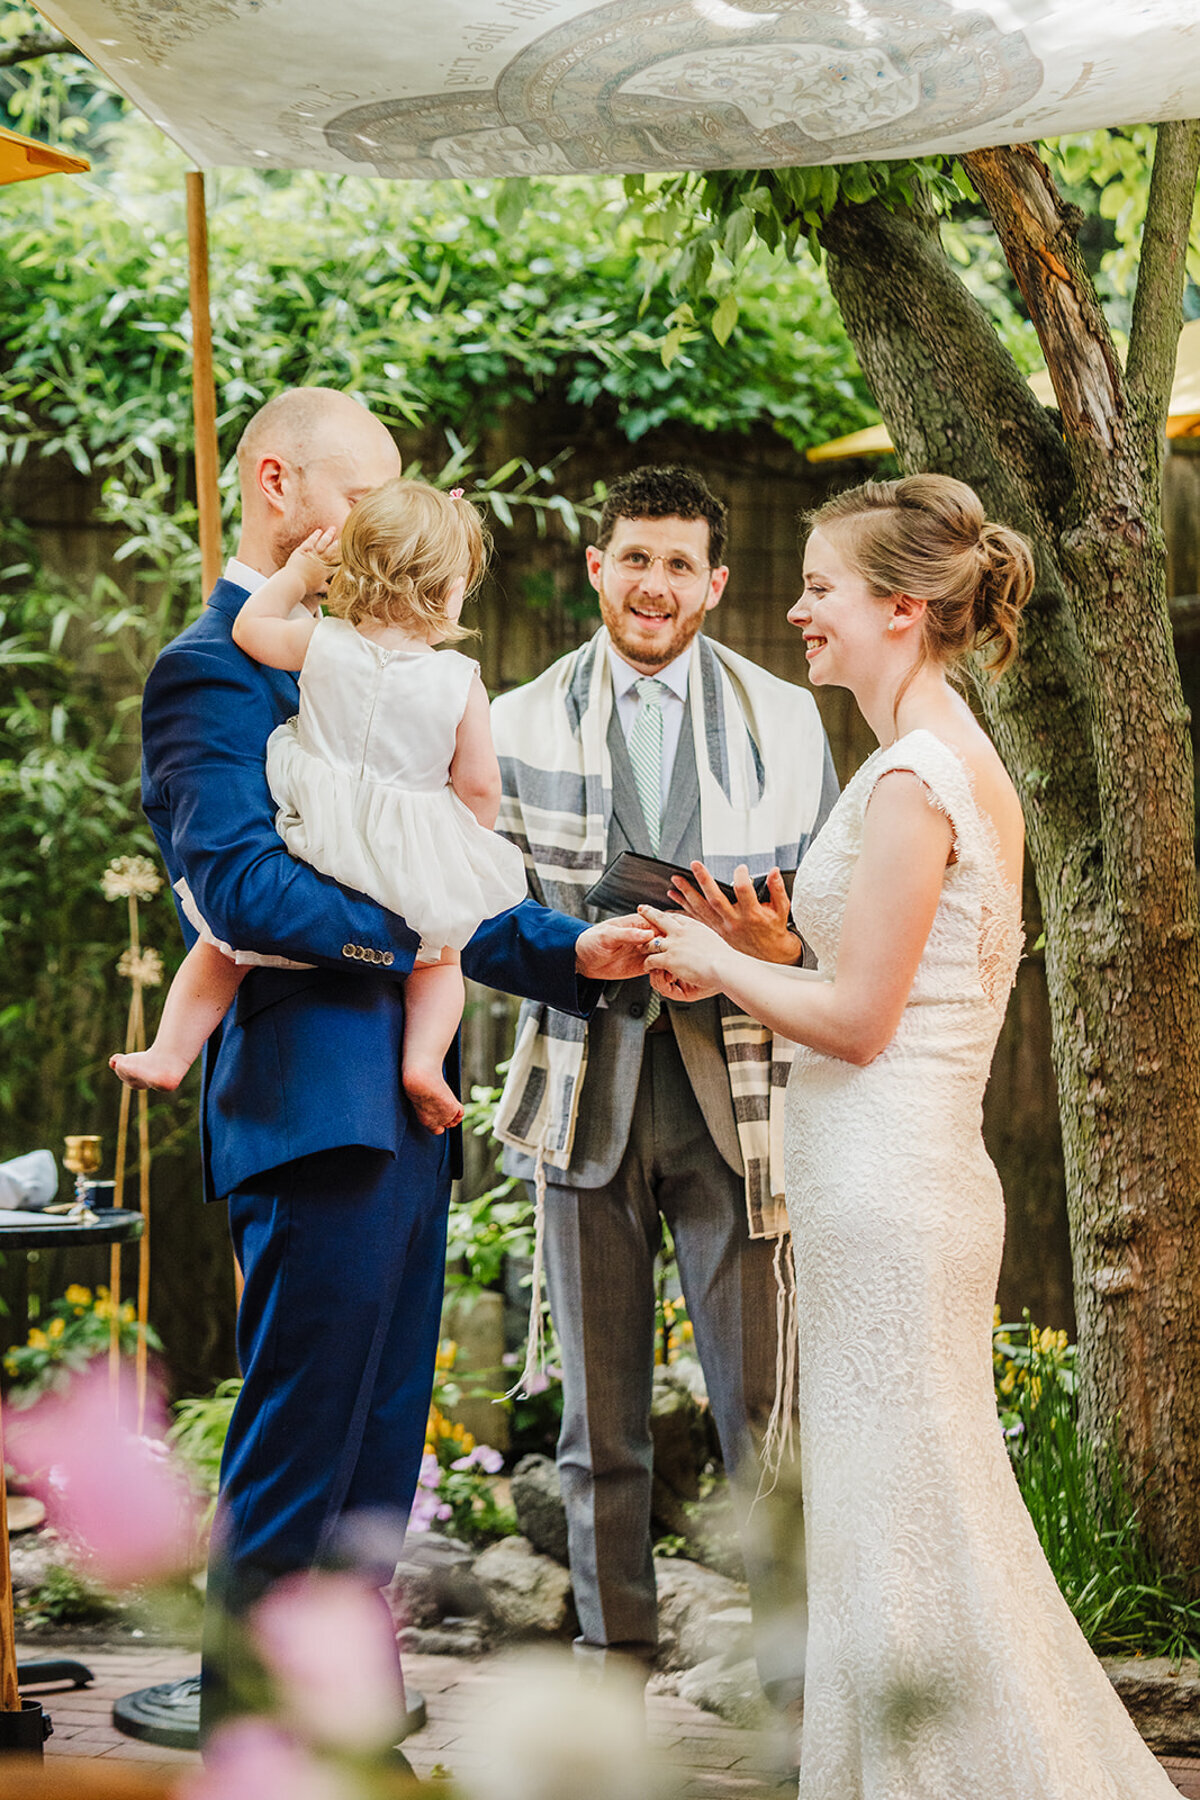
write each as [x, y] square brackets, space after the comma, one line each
[359, 952]
[388, 959]
[636, 1010]
[347, 949]
[375, 955]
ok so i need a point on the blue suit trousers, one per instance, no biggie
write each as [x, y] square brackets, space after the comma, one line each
[343, 1254]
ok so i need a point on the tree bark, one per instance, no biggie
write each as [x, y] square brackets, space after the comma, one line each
[1092, 725]
[34, 45]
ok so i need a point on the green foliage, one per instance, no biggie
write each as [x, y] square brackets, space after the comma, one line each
[65, 1597]
[1084, 1514]
[73, 1330]
[1115, 167]
[199, 1429]
[487, 1227]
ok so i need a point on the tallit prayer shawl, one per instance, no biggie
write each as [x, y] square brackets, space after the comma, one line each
[759, 758]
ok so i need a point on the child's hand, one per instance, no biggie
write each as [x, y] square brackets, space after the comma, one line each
[314, 559]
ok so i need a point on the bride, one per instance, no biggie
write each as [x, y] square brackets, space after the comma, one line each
[943, 1664]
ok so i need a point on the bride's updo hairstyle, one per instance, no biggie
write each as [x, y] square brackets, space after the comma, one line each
[926, 536]
[402, 548]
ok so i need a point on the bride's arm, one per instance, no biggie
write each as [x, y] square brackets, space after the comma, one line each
[890, 908]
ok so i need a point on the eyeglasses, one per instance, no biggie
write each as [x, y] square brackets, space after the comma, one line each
[678, 571]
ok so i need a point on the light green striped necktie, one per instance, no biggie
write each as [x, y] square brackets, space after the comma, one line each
[645, 754]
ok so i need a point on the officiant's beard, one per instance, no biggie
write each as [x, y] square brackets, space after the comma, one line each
[629, 641]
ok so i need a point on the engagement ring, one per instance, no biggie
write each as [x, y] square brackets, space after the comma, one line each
[657, 946]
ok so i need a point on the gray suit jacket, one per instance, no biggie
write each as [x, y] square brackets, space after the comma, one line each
[617, 1030]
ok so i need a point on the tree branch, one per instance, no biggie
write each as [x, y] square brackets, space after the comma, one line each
[34, 45]
[1037, 231]
[1157, 302]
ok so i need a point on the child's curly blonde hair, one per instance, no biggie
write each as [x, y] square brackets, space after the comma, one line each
[402, 549]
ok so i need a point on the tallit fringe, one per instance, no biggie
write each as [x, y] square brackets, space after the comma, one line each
[535, 1344]
[779, 1442]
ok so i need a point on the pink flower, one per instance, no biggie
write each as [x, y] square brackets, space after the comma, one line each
[251, 1759]
[481, 1457]
[117, 1495]
[329, 1645]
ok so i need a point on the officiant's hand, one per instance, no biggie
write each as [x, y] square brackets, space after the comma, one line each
[685, 959]
[614, 950]
[756, 927]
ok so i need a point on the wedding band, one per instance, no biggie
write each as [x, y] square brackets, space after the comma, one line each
[657, 945]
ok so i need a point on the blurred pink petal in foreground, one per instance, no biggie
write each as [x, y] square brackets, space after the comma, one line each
[329, 1644]
[116, 1494]
[251, 1759]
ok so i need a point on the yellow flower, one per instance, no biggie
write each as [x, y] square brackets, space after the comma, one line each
[78, 1296]
[1035, 1387]
[447, 1352]
[104, 1309]
[996, 1313]
[128, 1312]
[686, 1331]
[1008, 1383]
[11, 1364]
[37, 1340]
[56, 1328]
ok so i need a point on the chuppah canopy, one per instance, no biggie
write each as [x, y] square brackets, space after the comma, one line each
[545, 87]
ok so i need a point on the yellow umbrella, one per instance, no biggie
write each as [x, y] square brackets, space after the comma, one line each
[1183, 414]
[24, 159]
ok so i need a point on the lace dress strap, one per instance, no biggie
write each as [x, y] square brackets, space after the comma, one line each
[946, 779]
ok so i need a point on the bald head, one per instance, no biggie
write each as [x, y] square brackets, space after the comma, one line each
[304, 459]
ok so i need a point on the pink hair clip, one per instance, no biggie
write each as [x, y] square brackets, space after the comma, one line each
[456, 493]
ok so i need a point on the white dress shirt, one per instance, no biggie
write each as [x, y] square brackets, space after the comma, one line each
[629, 704]
[243, 576]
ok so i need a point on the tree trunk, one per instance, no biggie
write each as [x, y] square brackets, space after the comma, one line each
[1092, 725]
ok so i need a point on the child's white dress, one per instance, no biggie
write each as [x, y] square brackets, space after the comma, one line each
[361, 778]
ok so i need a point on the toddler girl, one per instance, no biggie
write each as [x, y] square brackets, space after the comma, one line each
[387, 779]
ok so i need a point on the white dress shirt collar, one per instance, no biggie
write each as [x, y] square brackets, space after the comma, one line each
[675, 675]
[243, 576]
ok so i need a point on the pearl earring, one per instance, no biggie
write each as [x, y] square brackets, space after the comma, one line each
[891, 624]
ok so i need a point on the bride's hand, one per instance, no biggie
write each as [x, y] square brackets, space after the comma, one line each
[688, 954]
[756, 927]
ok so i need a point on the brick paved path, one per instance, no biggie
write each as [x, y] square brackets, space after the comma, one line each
[714, 1761]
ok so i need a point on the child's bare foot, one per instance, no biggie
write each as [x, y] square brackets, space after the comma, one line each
[432, 1098]
[149, 1069]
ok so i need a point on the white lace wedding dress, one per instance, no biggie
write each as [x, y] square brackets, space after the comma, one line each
[943, 1664]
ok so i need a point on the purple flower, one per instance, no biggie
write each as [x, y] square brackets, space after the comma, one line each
[481, 1457]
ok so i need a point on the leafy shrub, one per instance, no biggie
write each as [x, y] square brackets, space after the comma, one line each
[1085, 1516]
[75, 1328]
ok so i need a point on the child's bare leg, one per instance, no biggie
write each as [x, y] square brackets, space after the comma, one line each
[433, 1003]
[197, 1000]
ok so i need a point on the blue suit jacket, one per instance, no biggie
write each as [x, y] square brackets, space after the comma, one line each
[308, 1059]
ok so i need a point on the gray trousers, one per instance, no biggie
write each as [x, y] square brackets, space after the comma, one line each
[600, 1252]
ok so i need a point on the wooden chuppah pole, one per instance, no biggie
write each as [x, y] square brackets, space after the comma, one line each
[204, 413]
[204, 392]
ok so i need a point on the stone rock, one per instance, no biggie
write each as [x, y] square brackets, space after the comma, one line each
[527, 1595]
[731, 1690]
[1164, 1703]
[434, 1579]
[689, 1597]
[537, 1496]
[453, 1637]
[32, 1559]
[682, 1448]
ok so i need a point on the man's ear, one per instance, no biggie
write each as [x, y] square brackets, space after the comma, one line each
[595, 558]
[716, 586]
[270, 477]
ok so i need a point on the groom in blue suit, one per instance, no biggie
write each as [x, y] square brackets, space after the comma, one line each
[337, 1197]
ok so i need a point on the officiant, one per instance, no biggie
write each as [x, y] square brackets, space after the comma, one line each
[654, 739]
